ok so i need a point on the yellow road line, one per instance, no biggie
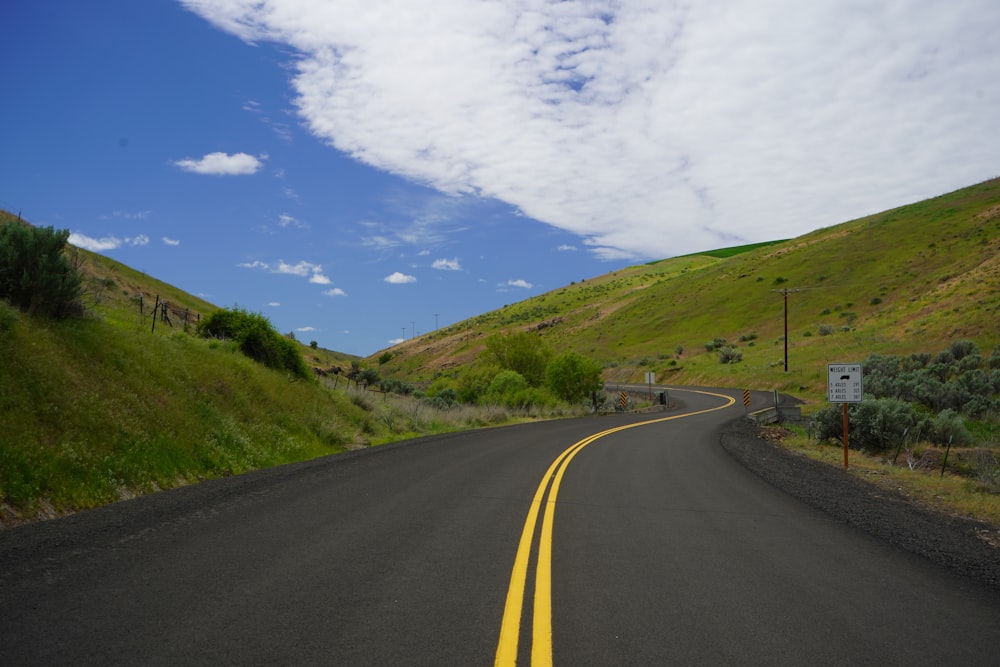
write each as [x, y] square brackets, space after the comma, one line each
[510, 627]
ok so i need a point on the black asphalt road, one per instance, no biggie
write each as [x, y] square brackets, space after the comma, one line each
[664, 551]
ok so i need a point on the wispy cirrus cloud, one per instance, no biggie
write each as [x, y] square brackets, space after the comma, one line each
[170, 242]
[223, 164]
[649, 129]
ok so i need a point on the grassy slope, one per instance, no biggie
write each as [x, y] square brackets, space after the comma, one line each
[911, 279]
[103, 408]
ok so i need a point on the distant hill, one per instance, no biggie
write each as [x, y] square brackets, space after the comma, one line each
[909, 279]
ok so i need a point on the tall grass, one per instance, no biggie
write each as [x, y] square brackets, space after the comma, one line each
[97, 410]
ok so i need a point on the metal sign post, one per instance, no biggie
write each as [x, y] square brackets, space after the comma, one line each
[844, 386]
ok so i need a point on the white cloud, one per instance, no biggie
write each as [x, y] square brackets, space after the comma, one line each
[335, 291]
[106, 242]
[286, 220]
[651, 128]
[256, 264]
[566, 248]
[170, 241]
[303, 269]
[398, 278]
[447, 264]
[521, 284]
[223, 164]
[395, 341]
[307, 329]
[273, 304]
[94, 245]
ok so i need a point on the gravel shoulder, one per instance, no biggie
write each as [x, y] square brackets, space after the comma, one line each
[956, 543]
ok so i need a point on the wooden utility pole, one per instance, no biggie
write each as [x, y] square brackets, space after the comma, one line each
[785, 292]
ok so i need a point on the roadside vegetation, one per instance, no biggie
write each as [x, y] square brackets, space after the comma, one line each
[114, 384]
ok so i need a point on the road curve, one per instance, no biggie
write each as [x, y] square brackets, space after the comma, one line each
[663, 550]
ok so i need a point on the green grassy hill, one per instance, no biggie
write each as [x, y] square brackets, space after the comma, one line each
[910, 279]
[106, 407]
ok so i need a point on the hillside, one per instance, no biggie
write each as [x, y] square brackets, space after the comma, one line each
[119, 403]
[910, 279]
[110, 406]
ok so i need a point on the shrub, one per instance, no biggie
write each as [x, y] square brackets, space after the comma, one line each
[874, 425]
[521, 352]
[963, 348]
[826, 329]
[572, 376]
[503, 384]
[256, 339]
[392, 385]
[728, 354]
[948, 428]
[35, 275]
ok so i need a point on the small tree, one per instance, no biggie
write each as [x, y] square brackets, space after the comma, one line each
[368, 377]
[521, 352]
[572, 377]
[35, 274]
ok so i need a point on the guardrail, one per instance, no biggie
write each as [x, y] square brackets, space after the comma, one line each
[774, 414]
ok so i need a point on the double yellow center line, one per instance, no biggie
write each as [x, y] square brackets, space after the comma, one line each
[541, 633]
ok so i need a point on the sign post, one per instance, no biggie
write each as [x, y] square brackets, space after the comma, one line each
[650, 380]
[844, 386]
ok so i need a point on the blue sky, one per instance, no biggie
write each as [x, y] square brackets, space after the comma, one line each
[363, 171]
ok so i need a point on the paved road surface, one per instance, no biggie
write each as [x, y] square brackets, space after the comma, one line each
[658, 549]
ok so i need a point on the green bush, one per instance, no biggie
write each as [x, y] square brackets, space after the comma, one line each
[256, 339]
[957, 379]
[35, 274]
[728, 354]
[521, 352]
[572, 377]
[874, 426]
[882, 424]
[504, 384]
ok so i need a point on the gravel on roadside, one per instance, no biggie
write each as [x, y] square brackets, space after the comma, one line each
[954, 542]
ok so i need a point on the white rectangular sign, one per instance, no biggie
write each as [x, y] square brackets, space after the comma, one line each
[844, 383]
[650, 377]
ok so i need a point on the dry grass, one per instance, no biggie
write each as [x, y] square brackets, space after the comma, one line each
[916, 474]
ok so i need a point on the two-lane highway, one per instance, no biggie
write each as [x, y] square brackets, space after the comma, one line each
[643, 545]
